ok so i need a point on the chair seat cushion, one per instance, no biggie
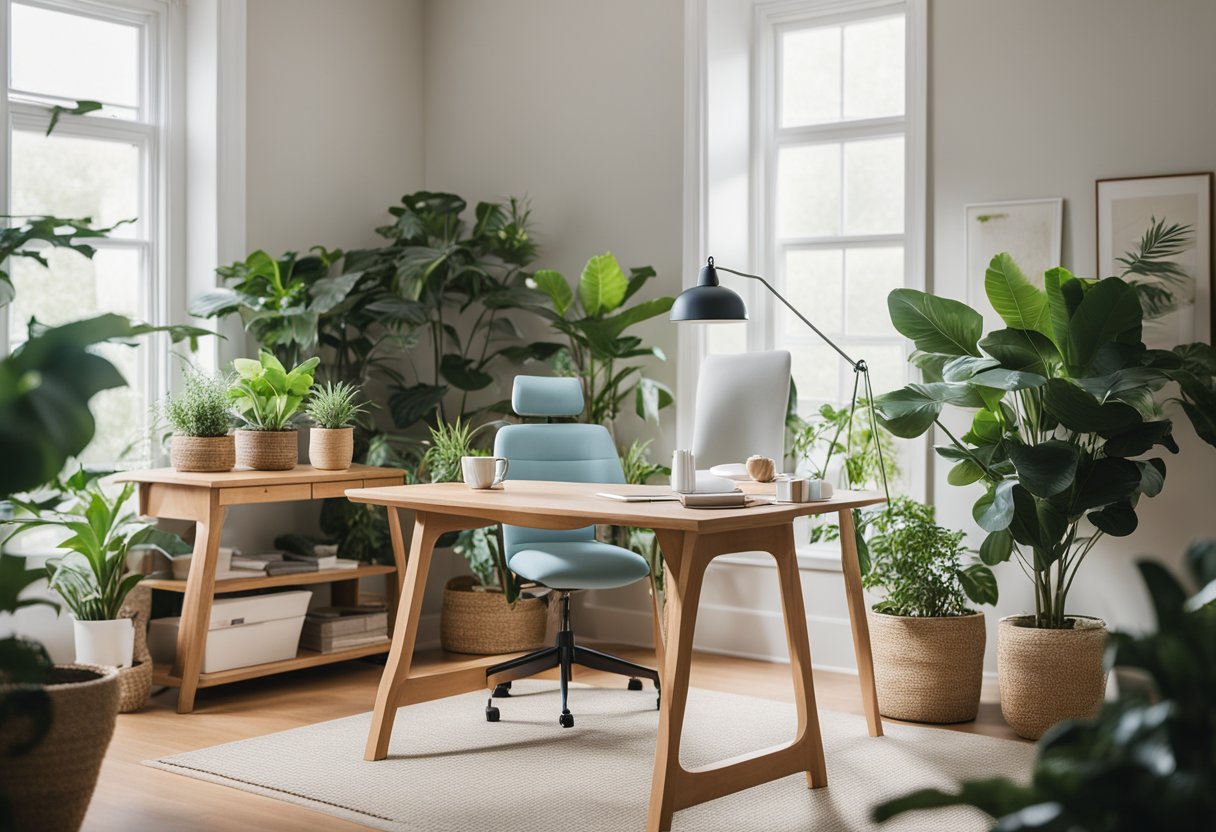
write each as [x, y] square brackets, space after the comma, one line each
[585, 564]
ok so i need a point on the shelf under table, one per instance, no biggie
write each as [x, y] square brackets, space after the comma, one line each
[162, 674]
[295, 579]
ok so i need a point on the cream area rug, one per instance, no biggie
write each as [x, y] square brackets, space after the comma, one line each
[449, 770]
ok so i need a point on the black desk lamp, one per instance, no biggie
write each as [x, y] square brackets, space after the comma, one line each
[709, 302]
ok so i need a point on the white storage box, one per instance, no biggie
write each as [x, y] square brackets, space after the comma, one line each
[244, 631]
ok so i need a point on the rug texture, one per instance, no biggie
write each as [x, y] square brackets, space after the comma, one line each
[448, 770]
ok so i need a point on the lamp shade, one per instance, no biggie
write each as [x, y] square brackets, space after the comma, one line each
[708, 302]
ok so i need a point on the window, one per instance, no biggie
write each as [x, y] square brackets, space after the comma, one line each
[109, 165]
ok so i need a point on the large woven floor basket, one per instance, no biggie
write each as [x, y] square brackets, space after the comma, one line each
[928, 669]
[49, 787]
[1049, 675]
[484, 623]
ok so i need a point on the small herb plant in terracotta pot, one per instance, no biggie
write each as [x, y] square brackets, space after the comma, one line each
[265, 397]
[331, 441]
[200, 419]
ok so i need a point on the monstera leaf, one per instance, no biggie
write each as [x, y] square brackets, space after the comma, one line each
[936, 325]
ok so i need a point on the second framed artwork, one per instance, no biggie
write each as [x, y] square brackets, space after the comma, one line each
[1145, 221]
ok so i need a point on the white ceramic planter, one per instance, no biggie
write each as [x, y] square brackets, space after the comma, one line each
[105, 643]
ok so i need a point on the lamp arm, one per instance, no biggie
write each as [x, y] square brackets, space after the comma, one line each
[856, 365]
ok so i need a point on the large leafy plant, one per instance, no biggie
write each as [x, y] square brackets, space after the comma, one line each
[1146, 761]
[264, 395]
[1063, 413]
[595, 318]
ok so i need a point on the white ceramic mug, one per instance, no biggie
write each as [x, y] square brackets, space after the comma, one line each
[483, 471]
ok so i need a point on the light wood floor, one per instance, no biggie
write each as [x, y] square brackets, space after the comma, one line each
[132, 797]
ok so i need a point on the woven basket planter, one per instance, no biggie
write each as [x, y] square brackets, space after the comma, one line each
[55, 779]
[204, 454]
[928, 669]
[331, 449]
[267, 450]
[135, 682]
[484, 623]
[1049, 675]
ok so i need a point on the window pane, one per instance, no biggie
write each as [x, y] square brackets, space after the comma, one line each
[874, 68]
[121, 414]
[872, 274]
[74, 57]
[814, 282]
[73, 177]
[874, 186]
[888, 365]
[808, 190]
[75, 287]
[816, 371]
[810, 76]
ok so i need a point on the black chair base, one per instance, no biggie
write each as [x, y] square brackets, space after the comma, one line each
[564, 655]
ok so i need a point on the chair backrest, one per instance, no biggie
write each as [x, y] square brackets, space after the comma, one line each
[741, 405]
[557, 453]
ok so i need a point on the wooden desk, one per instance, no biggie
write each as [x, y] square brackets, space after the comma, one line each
[689, 540]
[205, 498]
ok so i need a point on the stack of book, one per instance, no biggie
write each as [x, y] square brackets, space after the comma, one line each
[286, 563]
[329, 629]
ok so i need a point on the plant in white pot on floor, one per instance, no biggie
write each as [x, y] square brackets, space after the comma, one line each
[928, 642]
[333, 409]
[92, 577]
[266, 397]
[200, 417]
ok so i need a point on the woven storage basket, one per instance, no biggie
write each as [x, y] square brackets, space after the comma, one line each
[483, 622]
[331, 449]
[267, 450]
[928, 669]
[204, 454]
[53, 782]
[135, 682]
[1049, 675]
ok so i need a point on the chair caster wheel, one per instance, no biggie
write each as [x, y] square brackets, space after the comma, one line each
[635, 684]
[566, 720]
[492, 713]
[502, 691]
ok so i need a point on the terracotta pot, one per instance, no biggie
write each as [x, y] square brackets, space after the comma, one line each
[928, 669]
[1049, 675]
[484, 623]
[204, 454]
[331, 449]
[54, 781]
[267, 450]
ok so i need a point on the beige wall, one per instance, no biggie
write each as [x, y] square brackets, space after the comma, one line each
[334, 130]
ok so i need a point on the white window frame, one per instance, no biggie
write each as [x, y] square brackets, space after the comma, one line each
[156, 131]
[754, 31]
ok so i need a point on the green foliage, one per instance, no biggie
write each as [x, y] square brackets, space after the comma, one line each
[639, 470]
[49, 231]
[201, 408]
[1146, 761]
[449, 442]
[1167, 283]
[1064, 413]
[919, 566]
[81, 108]
[264, 395]
[334, 405]
[92, 577]
[594, 320]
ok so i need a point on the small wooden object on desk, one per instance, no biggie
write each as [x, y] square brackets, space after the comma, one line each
[205, 499]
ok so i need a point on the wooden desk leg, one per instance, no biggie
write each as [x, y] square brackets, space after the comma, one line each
[861, 626]
[684, 578]
[200, 590]
[405, 633]
[809, 737]
[393, 583]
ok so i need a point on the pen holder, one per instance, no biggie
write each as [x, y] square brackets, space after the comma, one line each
[683, 472]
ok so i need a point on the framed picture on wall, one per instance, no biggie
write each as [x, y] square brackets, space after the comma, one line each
[1030, 230]
[1161, 219]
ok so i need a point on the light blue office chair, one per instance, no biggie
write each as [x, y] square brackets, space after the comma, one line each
[562, 560]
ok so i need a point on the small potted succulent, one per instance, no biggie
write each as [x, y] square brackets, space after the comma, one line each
[928, 644]
[331, 441]
[200, 419]
[265, 397]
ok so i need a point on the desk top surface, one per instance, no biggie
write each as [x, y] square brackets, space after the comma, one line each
[569, 505]
[247, 477]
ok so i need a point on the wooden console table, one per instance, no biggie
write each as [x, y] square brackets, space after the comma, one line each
[205, 499]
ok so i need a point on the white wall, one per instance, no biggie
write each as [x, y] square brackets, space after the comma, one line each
[1038, 99]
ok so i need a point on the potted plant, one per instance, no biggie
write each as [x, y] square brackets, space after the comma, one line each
[265, 396]
[1064, 418]
[200, 419]
[92, 578]
[928, 644]
[331, 441]
[488, 611]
